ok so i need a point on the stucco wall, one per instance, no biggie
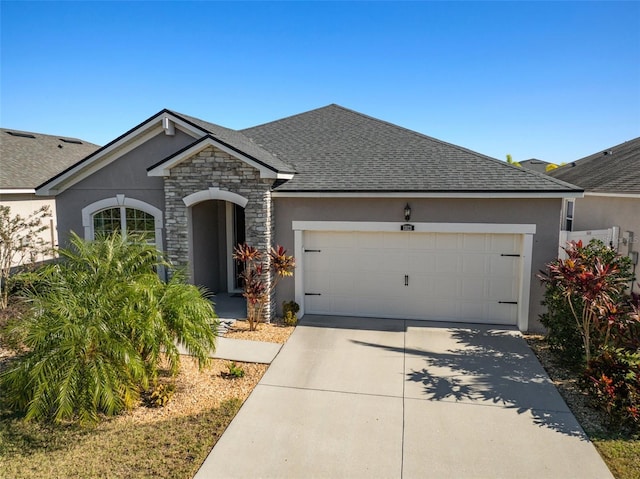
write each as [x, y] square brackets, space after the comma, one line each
[127, 175]
[26, 204]
[601, 212]
[544, 213]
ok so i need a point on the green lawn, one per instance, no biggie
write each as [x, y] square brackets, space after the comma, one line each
[169, 449]
[621, 455]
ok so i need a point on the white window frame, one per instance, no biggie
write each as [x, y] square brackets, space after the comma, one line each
[123, 202]
[569, 203]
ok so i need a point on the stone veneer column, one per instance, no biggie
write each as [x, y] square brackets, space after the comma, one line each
[215, 168]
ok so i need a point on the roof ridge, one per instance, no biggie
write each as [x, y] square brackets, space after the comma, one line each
[273, 122]
[461, 148]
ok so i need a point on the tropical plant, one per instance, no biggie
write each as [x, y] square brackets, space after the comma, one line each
[21, 244]
[511, 162]
[590, 285]
[99, 329]
[613, 381]
[260, 275]
[290, 312]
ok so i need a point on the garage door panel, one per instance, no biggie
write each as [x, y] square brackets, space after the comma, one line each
[447, 263]
[505, 243]
[432, 276]
[448, 241]
[423, 241]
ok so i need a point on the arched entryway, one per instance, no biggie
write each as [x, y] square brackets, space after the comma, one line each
[216, 226]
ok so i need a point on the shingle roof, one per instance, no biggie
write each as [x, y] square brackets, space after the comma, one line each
[28, 159]
[334, 149]
[239, 142]
[535, 165]
[613, 170]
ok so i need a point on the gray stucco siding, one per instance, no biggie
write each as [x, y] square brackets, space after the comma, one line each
[544, 213]
[127, 175]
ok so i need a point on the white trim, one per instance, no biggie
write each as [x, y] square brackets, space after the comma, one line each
[374, 226]
[418, 194]
[17, 191]
[214, 193]
[526, 254]
[121, 200]
[298, 276]
[614, 195]
[114, 151]
[230, 224]
[165, 168]
[102, 159]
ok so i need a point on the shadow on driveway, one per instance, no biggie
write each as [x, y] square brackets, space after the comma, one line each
[482, 366]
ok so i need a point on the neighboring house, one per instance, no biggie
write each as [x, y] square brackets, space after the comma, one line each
[26, 160]
[536, 165]
[383, 221]
[611, 180]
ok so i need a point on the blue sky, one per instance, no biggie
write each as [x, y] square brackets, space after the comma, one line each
[549, 80]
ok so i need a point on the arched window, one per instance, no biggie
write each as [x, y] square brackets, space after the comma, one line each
[126, 221]
[127, 216]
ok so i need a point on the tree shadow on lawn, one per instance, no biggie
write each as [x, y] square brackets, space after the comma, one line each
[492, 367]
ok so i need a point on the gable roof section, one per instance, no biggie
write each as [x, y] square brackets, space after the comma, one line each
[334, 149]
[240, 143]
[230, 140]
[27, 159]
[615, 170]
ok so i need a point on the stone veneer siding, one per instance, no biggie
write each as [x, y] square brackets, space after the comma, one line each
[215, 168]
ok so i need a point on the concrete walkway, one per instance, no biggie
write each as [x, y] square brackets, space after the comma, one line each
[242, 350]
[365, 398]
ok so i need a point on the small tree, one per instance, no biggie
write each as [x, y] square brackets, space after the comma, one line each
[255, 277]
[20, 244]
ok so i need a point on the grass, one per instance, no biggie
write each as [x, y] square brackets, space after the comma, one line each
[170, 449]
[622, 456]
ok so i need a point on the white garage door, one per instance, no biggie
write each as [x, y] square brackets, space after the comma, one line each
[431, 276]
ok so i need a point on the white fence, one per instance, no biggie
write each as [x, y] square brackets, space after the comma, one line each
[609, 237]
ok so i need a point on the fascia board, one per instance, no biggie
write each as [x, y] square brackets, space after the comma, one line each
[614, 195]
[414, 194]
[115, 150]
[17, 191]
[105, 158]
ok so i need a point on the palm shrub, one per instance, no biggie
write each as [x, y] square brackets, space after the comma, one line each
[99, 329]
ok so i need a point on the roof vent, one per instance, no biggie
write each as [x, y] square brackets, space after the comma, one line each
[69, 140]
[608, 152]
[21, 135]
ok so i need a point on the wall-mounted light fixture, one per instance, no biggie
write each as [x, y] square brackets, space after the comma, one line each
[407, 212]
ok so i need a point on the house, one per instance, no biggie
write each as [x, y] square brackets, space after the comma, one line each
[382, 220]
[611, 180]
[26, 160]
[535, 165]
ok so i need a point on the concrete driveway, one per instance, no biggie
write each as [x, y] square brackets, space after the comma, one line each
[364, 398]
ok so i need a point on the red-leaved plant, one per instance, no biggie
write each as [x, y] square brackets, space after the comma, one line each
[257, 282]
[594, 285]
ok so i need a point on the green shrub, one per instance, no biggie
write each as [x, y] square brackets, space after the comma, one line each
[290, 312]
[235, 371]
[613, 381]
[159, 395]
[98, 330]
